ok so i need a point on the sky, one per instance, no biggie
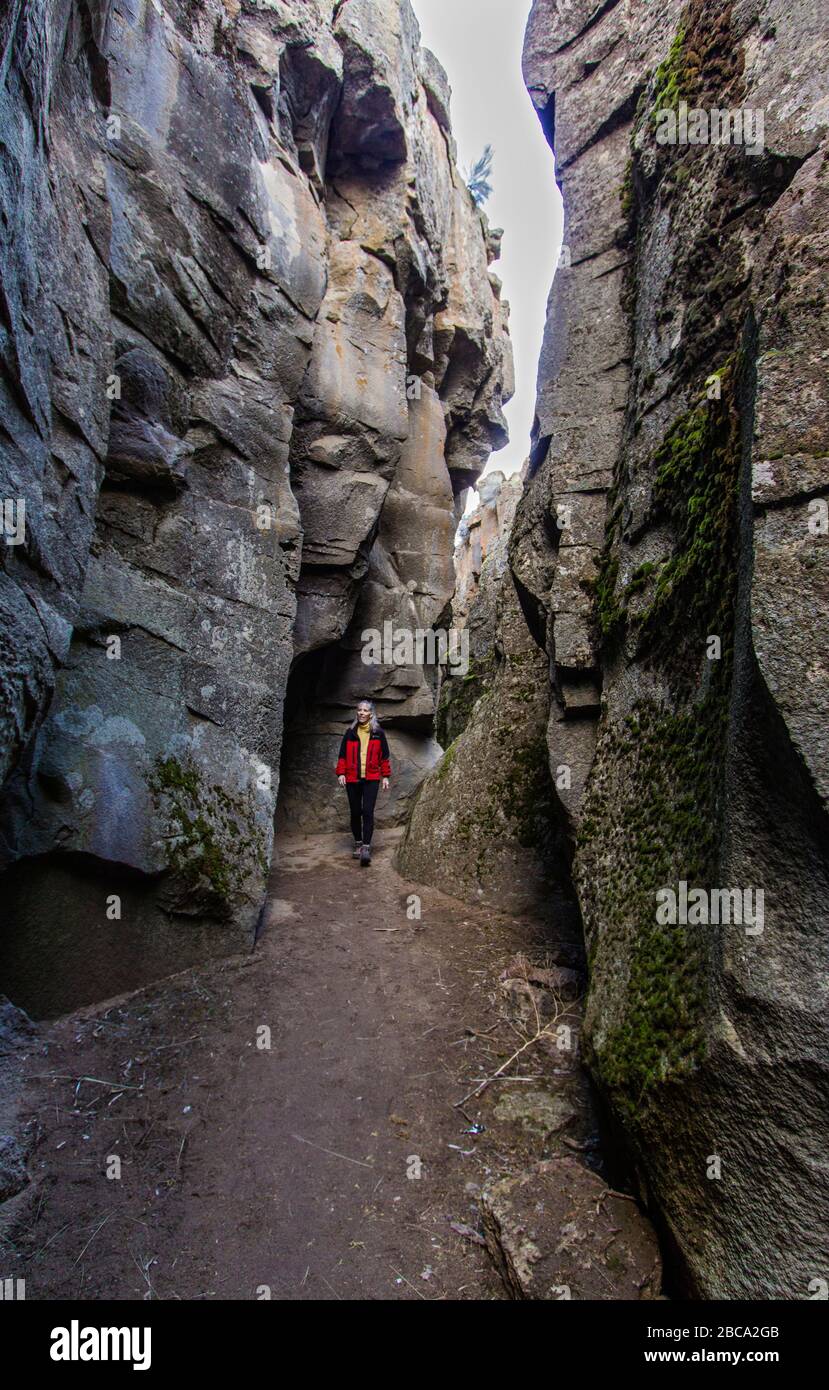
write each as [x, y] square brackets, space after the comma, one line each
[479, 43]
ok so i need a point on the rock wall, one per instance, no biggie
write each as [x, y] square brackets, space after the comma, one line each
[55, 411]
[668, 558]
[252, 353]
[671, 560]
[413, 255]
[486, 824]
[488, 525]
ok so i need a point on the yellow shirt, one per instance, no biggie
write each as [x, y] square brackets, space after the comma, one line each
[363, 734]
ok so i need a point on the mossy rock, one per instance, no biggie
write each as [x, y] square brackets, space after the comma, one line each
[691, 595]
[670, 79]
[213, 842]
[653, 807]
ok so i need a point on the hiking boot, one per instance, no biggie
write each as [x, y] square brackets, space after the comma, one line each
[357, 850]
[365, 856]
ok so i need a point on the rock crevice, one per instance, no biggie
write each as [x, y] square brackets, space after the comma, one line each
[252, 357]
[669, 557]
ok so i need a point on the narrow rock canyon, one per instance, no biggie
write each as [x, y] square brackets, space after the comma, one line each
[255, 357]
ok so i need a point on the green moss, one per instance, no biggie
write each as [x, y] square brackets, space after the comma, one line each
[695, 471]
[695, 488]
[670, 77]
[526, 791]
[213, 839]
[609, 609]
[170, 776]
[653, 808]
[458, 697]
[445, 764]
[657, 824]
[640, 577]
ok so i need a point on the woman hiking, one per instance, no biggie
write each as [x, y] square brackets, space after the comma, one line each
[363, 763]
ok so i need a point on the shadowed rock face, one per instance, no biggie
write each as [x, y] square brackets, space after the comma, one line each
[682, 418]
[486, 824]
[251, 352]
[54, 406]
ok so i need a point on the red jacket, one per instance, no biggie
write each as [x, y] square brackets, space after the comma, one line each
[377, 757]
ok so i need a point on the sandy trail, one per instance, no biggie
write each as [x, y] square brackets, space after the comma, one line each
[290, 1169]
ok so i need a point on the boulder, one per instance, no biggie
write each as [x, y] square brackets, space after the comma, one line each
[556, 1232]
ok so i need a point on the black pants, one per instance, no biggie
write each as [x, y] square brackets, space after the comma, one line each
[362, 796]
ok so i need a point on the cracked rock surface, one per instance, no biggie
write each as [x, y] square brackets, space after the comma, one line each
[253, 358]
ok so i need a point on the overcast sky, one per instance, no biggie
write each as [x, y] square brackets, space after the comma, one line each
[479, 44]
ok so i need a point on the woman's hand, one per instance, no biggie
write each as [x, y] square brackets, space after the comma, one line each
[385, 784]
[341, 781]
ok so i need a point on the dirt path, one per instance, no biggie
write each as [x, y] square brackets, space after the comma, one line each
[292, 1168]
